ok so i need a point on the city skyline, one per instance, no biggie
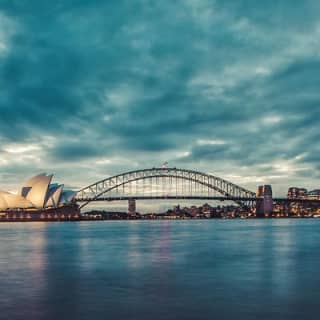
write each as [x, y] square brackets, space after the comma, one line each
[95, 89]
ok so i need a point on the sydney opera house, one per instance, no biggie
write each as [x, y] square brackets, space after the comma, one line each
[39, 199]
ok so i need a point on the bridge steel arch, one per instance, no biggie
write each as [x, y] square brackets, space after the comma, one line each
[229, 190]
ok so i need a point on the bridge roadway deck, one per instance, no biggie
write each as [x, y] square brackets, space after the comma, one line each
[222, 198]
[219, 198]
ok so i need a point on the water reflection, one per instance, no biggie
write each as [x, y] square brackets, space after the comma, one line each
[160, 269]
[23, 262]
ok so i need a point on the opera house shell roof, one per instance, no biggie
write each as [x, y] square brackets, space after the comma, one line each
[37, 193]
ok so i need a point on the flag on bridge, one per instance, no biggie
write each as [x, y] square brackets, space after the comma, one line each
[164, 165]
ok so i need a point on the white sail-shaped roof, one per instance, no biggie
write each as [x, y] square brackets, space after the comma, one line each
[3, 203]
[54, 196]
[67, 196]
[26, 187]
[15, 201]
[51, 190]
[38, 192]
[54, 186]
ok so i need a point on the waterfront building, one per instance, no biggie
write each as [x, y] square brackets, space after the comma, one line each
[39, 199]
[314, 194]
[302, 193]
[297, 193]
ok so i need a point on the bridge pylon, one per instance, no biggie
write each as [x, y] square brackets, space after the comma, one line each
[264, 205]
[132, 207]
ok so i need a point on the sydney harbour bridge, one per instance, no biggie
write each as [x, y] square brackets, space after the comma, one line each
[174, 183]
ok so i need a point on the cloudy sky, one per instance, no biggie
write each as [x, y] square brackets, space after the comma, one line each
[94, 88]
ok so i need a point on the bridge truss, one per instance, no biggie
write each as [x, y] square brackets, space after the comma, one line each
[164, 183]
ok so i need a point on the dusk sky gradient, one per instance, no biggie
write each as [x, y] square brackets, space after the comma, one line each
[90, 89]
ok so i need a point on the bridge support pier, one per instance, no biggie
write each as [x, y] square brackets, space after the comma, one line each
[132, 207]
[264, 205]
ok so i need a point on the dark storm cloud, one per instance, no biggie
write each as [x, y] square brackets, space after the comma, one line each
[76, 151]
[139, 82]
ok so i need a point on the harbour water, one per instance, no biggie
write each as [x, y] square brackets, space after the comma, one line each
[200, 269]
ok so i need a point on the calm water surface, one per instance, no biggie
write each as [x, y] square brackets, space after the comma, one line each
[213, 269]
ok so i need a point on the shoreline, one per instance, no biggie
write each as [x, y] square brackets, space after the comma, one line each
[81, 219]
